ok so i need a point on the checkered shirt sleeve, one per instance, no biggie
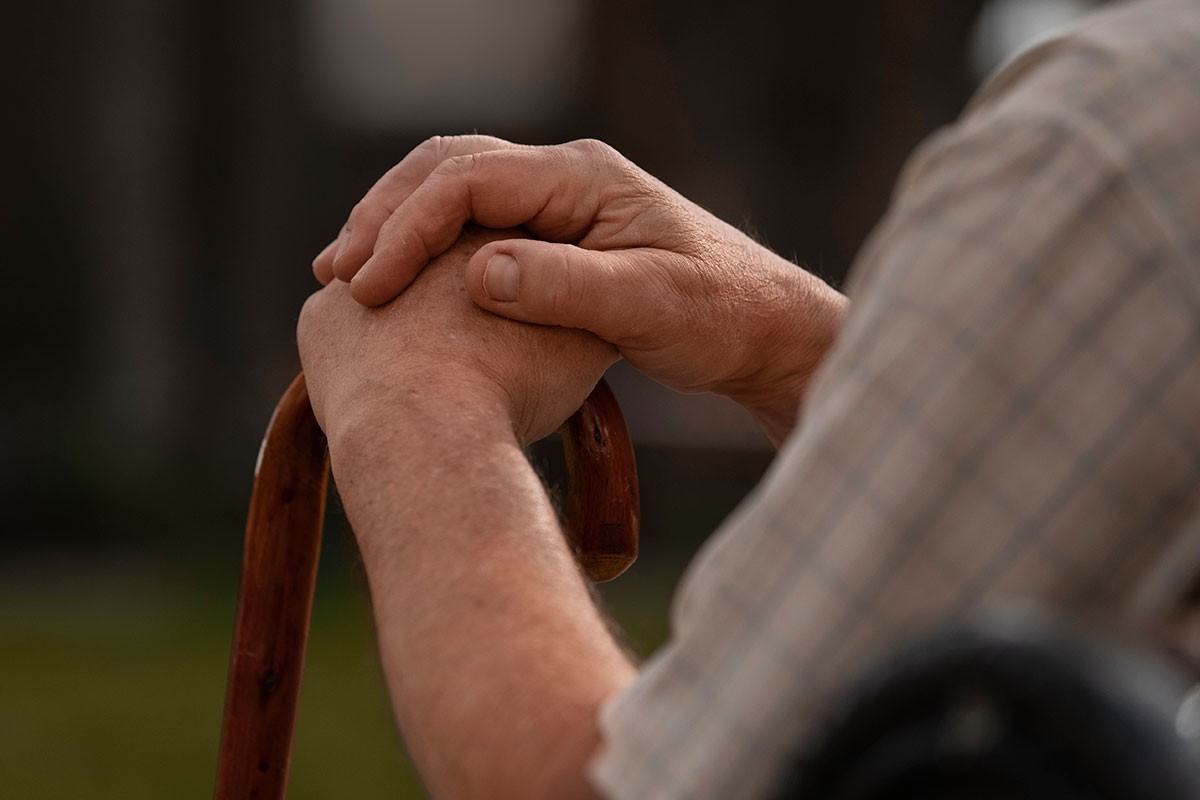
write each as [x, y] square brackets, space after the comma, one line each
[1011, 412]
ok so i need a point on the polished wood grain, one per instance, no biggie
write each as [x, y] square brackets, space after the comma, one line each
[279, 570]
[603, 508]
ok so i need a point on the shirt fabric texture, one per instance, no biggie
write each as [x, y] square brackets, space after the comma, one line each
[1011, 413]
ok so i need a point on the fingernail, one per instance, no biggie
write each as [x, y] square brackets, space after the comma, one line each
[500, 278]
[342, 248]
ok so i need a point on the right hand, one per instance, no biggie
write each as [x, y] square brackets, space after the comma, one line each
[686, 298]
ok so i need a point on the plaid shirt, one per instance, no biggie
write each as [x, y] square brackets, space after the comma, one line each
[1011, 412]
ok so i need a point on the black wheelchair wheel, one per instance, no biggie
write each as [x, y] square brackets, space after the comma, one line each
[1006, 709]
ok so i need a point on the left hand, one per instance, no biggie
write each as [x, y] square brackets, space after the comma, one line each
[689, 300]
[435, 356]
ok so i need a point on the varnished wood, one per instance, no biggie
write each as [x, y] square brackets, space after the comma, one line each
[603, 509]
[279, 569]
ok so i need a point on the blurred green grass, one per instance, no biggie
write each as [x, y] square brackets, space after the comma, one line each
[112, 681]
[112, 668]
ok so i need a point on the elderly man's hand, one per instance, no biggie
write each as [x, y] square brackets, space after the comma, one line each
[432, 357]
[689, 300]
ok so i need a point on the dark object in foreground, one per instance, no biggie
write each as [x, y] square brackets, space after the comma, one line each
[279, 570]
[1018, 707]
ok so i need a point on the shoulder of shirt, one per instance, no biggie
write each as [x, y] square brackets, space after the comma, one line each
[1120, 85]
[1057, 82]
[1111, 82]
[1106, 46]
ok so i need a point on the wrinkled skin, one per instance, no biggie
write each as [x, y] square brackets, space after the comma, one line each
[366, 364]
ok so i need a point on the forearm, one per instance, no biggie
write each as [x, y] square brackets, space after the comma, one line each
[496, 658]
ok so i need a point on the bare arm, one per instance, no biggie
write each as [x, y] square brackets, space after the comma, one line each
[496, 658]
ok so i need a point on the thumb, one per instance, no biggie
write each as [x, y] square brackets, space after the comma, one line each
[606, 292]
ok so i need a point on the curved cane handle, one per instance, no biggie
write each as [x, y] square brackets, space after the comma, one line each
[603, 509]
[279, 569]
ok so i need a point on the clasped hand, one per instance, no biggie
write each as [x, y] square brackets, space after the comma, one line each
[681, 295]
[431, 356]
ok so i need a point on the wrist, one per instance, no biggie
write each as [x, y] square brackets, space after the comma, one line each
[417, 410]
[407, 452]
[800, 325]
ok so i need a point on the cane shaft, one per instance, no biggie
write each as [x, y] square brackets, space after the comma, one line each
[279, 570]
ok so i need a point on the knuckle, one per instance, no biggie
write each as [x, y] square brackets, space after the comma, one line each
[358, 212]
[386, 227]
[439, 149]
[466, 165]
[433, 147]
[566, 290]
[611, 172]
[596, 150]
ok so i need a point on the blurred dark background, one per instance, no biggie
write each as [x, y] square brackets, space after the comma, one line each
[170, 169]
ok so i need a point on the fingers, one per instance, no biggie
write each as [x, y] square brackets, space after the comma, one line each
[616, 295]
[356, 240]
[556, 192]
[323, 264]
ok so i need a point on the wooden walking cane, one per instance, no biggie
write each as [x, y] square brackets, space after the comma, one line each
[279, 569]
